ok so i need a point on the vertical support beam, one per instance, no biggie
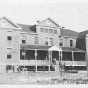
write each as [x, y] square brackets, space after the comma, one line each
[24, 58]
[61, 62]
[36, 60]
[51, 55]
[86, 53]
[49, 60]
[72, 60]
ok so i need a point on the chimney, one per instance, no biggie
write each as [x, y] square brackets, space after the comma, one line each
[38, 21]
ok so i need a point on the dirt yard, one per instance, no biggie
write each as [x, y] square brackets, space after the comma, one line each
[43, 78]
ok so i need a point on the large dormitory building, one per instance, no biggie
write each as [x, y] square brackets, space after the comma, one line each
[40, 47]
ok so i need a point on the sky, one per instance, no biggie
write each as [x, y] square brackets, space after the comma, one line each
[73, 16]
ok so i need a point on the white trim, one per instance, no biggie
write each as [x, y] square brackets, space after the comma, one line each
[10, 28]
[28, 33]
[46, 26]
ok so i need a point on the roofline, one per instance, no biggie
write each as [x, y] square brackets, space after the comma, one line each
[10, 28]
[69, 36]
[48, 26]
[27, 33]
[50, 20]
[11, 22]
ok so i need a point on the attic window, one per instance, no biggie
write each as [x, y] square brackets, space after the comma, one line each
[3, 22]
[48, 22]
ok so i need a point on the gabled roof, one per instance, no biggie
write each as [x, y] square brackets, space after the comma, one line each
[67, 32]
[83, 34]
[12, 23]
[51, 21]
[26, 28]
[54, 22]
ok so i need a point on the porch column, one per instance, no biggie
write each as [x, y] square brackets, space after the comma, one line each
[59, 60]
[49, 60]
[72, 60]
[36, 60]
[61, 63]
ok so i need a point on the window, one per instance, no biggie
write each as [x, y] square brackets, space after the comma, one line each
[9, 53]
[9, 35]
[46, 40]
[71, 43]
[50, 41]
[41, 30]
[23, 39]
[61, 42]
[46, 30]
[22, 54]
[36, 40]
[55, 31]
[50, 30]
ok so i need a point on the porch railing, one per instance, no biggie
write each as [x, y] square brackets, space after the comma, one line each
[33, 62]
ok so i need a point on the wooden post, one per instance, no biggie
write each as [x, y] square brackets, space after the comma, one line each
[36, 60]
[86, 53]
[49, 59]
[61, 62]
[72, 60]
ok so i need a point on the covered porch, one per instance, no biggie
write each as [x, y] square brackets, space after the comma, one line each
[73, 58]
[46, 58]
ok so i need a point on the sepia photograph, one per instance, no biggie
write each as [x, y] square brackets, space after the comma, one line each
[44, 42]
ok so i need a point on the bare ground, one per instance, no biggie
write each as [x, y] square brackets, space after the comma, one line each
[41, 78]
